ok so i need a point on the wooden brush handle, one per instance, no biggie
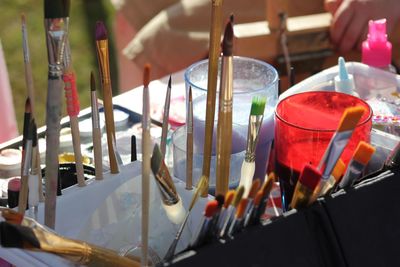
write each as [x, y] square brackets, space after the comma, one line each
[76, 141]
[224, 148]
[53, 116]
[98, 154]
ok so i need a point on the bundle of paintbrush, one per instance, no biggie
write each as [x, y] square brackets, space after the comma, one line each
[25, 233]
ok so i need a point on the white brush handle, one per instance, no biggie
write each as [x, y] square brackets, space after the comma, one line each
[246, 178]
[33, 185]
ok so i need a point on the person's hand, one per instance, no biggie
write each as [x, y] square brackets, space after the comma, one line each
[349, 27]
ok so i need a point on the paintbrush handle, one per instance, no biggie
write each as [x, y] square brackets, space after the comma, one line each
[171, 250]
[110, 127]
[76, 142]
[53, 116]
[146, 143]
[189, 161]
[224, 147]
[98, 154]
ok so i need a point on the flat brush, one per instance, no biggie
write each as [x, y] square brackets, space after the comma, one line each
[266, 190]
[201, 235]
[305, 186]
[56, 14]
[96, 130]
[215, 37]
[357, 164]
[146, 143]
[72, 98]
[231, 212]
[334, 179]
[104, 67]
[214, 224]
[251, 218]
[164, 131]
[224, 130]
[252, 194]
[238, 220]
[201, 186]
[255, 122]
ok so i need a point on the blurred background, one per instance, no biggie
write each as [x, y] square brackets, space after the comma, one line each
[83, 17]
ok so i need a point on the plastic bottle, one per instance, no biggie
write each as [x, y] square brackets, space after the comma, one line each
[377, 50]
[344, 82]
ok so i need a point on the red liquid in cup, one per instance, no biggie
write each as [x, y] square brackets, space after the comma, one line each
[305, 124]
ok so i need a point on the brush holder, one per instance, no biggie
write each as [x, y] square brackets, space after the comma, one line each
[305, 124]
[251, 78]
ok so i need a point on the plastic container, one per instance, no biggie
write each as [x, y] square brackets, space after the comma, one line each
[251, 78]
[305, 124]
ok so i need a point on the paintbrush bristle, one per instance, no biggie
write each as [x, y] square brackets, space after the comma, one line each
[101, 31]
[257, 198]
[227, 42]
[350, 118]
[28, 107]
[238, 196]
[310, 177]
[92, 82]
[268, 184]
[56, 9]
[339, 169]
[169, 81]
[156, 159]
[254, 188]
[241, 208]
[146, 75]
[258, 105]
[363, 153]
[232, 18]
[211, 208]
[23, 19]
[228, 198]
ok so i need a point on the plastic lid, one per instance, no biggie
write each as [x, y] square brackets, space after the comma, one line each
[377, 50]
[344, 82]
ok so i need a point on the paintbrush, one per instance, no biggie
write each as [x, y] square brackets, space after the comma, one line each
[224, 130]
[71, 95]
[164, 131]
[201, 186]
[146, 143]
[231, 212]
[23, 194]
[357, 164]
[104, 67]
[238, 220]
[96, 130]
[214, 224]
[249, 162]
[215, 37]
[305, 186]
[25, 129]
[252, 194]
[338, 142]
[35, 237]
[224, 210]
[56, 14]
[202, 233]
[189, 143]
[266, 190]
[334, 179]
[34, 180]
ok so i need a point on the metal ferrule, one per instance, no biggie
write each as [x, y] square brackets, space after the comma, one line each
[255, 122]
[67, 55]
[226, 89]
[28, 157]
[104, 62]
[169, 196]
[95, 108]
[228, 220]
[335, 149]
[57, 31]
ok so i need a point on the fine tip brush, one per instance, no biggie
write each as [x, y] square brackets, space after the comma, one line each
[164, 130]
[232, 209]
[255, 122]
[104, 67]
[146, 143]
[224, 128]
[56, 13]
[189, 143]
[96, 130]
[214, 51]
[224, 210]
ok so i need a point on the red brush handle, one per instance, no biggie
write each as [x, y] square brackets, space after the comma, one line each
[71, 94]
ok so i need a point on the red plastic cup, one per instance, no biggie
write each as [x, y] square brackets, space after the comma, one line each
[305, 123]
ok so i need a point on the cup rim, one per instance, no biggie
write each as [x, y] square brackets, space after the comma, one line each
[191, 67]
[359, 124]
